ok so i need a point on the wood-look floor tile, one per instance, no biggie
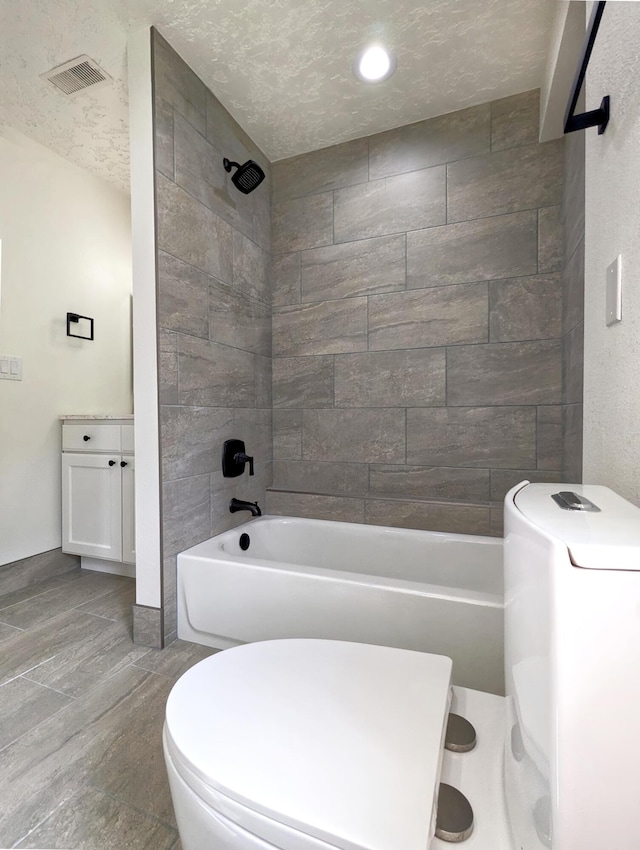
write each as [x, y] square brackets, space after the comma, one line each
[131, 768]
[115, 605]
[49, 764]
[105, 649]
[26, 593]
[72, 650]
[38, 609]
[174, 660]
[92, 820]
[7, 632]
[23, 706]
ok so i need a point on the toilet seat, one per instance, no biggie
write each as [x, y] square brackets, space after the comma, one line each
[333, 744]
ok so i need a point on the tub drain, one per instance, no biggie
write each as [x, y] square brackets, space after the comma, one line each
[460, 736]
[454, 821]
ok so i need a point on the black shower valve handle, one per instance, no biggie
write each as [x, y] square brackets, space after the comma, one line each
[241, 457]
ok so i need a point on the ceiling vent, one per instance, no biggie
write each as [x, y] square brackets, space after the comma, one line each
[77, 75]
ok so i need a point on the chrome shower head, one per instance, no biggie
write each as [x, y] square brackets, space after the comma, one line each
[247, 177]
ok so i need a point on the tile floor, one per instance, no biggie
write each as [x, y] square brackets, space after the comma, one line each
[81, 714]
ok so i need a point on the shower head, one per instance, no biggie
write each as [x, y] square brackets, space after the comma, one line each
[247, 177]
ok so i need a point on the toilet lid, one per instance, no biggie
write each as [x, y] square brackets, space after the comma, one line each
[340, 741]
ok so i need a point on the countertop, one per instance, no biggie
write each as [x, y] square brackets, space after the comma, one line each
[97, 416]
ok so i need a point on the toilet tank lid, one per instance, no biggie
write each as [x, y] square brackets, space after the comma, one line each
[608, 539]
[339, 741]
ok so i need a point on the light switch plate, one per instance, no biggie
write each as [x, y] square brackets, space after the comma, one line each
[10, 367]
[614, 291]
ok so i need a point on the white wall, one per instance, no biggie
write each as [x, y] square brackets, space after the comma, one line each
[612, 355]
[66, 246]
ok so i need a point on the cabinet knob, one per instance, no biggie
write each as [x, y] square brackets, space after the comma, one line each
[123, 463]
[86, 437]
[112, 463]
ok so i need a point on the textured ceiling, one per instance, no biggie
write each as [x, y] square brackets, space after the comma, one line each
[283, 68]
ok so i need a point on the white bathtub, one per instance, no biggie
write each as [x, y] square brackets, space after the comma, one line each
[427, 591]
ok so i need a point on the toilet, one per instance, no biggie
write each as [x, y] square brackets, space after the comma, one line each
[328, 745]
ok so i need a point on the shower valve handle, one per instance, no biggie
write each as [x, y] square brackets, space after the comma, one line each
[241, 457]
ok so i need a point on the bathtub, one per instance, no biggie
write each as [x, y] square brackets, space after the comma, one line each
[420, 590]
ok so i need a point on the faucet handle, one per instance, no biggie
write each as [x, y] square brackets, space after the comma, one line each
[241, 457]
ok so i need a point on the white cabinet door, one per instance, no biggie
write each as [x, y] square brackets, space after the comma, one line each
[128, 509]
[92, 505]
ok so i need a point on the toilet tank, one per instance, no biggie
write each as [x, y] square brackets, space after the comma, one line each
[572, 668]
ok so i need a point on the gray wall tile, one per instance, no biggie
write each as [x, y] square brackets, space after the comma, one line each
[322, 170]
[187, 229]
[302, 223]
[573, 365]
[328, 327]
[550, 246]
[263, 382]
[432, 142]
[199, 171]
[573, 289]
[147, 626]
[192, 438]
[446, 315]
[176, 83]
[497, 521]
[505, 373]
[502, 480]
[515, 120]
[287, 435]
[164, 137]
[357, 436]
[303, 381]
[429, 516]
[426, 482]
[285, 275]
[167, 367]
[391, 378]
[186, 513]
[501, 437]
[525, 308]
[392, 205]
[255, 426]
[354, 268]
[503, 182]
[486, 249]
[213, 375]
[346, 479]
[238, 320]
[169, 599]
[573, 195]
[572, 442]
[334, 508]
[251, 268]
[227, 135]
[549, 437]
[183, 296]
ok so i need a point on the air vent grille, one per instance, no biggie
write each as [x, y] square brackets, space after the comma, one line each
[76, 75]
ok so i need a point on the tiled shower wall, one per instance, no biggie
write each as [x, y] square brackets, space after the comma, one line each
[214, 313]
[573, 305]
[417, 321]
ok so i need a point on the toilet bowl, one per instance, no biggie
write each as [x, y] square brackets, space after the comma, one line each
[308, 744]
[327, 745]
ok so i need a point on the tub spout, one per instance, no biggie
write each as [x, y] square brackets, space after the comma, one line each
[240, 505]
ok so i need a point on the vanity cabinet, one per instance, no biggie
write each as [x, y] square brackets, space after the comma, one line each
[98, 473]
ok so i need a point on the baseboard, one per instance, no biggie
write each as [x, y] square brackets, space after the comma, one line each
[116, 568]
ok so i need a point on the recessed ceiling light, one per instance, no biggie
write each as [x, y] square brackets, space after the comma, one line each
[375, 64]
